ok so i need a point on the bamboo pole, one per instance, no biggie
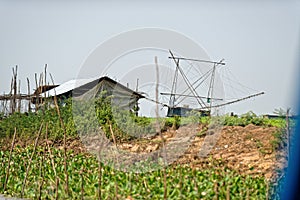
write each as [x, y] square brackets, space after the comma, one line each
[41, 183]
[53, 164]
[45, 78]
[116, 189]
[41, 164]
[30, 160]
[15, 71]
[41, 86]
[37, 95]
[10, 94]
[112, 134]
[3, 104]
[9, 159]
[158, 129]
[20, 99]
[56, 186]
[228, 193]
[45, 74]
[82, 184]
[15, 88]
[29, 102]
[65, 139]
[100, 169]
[216, 190]
[268, 188]
[99, 180]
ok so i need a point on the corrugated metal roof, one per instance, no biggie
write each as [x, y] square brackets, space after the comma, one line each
[77, 83]
[67, 86]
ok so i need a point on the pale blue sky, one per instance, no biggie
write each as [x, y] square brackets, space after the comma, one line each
[259, 40]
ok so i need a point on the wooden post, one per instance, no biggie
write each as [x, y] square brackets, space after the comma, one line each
[137, 104]
[30, 160]
[53, 164]
[37, 95]
[99, 176]
[65, 139]
[20, 98]
[14, 90]
[158, 128]
[29, 102]
[9, 159]
[11, 97]
[45, 78]
[3, 104]
[45, 83]
[41, 86]
[82, 184]
[228, 192]
[15, 87]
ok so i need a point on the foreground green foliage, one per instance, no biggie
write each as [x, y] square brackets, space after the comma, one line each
[182, 182]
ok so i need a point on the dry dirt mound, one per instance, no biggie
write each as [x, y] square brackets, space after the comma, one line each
[248, 150]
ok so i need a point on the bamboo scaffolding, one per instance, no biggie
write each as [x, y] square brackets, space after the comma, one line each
[15, 101]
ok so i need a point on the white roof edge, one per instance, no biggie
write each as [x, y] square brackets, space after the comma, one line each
[67, 86]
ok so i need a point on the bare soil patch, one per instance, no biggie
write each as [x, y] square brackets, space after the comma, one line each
[248, 150]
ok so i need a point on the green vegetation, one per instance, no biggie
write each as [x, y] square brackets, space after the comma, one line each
[252, 118]
[279, 140]
[44, 175]
[122, 122]
[28, 124]
[182, 182]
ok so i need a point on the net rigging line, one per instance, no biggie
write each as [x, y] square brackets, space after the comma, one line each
[230, 74]
[235, 93]
[205, 76]
[234, 90]
[190, 86]
[185, 96]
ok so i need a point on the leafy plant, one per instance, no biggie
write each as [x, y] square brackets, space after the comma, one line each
[183, 182]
